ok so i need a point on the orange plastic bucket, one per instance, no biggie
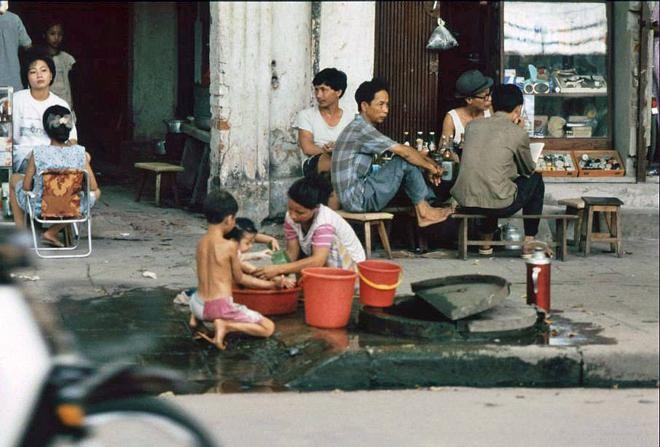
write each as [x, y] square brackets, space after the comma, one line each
[378, 282]
[328, 296]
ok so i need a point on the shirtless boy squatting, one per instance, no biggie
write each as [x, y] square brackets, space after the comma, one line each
[218, 267]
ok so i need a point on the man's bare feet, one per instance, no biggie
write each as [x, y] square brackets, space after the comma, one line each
[427, 215]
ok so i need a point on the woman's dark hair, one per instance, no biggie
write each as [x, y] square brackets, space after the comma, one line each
[310, 192]
[31, 56]
[244, 227]
[506, 97]
[333, 78]
[218, 205]
[366, 92]
[58, 122]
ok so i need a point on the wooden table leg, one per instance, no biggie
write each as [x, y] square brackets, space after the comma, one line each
[562, 246]
[384, 238]
[144, 179]
[619, 233]
[590, 224]
[158, 174]
[462, 238]
[367, 238]
[175, 190]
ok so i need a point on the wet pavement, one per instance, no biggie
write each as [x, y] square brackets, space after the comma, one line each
[143, 326]
[604, 328]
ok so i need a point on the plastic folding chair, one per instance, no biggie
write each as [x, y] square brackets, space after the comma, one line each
[61, 204]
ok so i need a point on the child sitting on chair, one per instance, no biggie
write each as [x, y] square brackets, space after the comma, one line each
[60, 154]
[218, 268]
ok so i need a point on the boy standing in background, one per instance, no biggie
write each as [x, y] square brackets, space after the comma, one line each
[63, 61]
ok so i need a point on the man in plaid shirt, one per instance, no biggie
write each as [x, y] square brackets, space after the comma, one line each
[362, 190]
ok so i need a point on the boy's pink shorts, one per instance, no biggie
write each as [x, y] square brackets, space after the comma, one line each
[223, 308]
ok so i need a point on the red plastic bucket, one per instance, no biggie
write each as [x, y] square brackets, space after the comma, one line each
[268, 302]
[378, 282]
[328, 296]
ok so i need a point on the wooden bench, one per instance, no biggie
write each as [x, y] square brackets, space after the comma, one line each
[159, 168]
[369, 219]
[560, 227]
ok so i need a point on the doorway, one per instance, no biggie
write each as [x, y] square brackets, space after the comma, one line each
[97, 35]
[422, 81]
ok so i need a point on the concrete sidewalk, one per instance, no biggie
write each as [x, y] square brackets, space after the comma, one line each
[615, 298]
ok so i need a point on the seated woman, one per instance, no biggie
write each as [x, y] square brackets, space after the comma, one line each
[38, 72]
[474, 88]
[60, 154]
[316, 236]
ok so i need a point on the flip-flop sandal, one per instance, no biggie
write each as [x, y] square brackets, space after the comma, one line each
[52, 242]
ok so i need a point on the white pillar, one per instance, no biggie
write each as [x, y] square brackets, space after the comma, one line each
[251, 136]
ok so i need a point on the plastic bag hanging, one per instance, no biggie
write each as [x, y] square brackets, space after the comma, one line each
[441, 38]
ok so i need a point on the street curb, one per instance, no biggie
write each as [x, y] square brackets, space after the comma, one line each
[542, 366]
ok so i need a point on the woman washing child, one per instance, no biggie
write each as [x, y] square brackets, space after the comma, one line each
[316, 236]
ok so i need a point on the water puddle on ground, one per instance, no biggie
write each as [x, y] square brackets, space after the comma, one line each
[143, 326]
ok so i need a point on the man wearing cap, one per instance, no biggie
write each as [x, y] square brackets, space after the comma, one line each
[498, 176]
[474, 88]
[361, 189]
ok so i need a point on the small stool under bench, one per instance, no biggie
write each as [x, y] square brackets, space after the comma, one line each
[560, 227]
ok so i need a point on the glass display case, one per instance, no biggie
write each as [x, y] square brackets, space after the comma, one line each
[557, 53]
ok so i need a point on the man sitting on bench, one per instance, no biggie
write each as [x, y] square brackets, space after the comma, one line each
[359, 188]
[497, 176]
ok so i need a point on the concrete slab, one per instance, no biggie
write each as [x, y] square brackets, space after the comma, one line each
[510, 315]
[460, 296]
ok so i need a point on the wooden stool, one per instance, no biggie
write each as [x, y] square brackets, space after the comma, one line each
[369, 219]
[159, 168]
[610, 207]
[575, 207]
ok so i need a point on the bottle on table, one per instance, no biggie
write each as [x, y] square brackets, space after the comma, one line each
[406, 138]
[419, 143]
[449, 165]
[431, 142]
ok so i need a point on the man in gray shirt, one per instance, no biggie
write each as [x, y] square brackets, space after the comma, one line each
[497, 176]
[12, 35]
[360, 188]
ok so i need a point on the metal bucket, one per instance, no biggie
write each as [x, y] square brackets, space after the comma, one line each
[159, 147]
[173, 126]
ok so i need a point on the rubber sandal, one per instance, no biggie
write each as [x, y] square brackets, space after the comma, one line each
[52, 242]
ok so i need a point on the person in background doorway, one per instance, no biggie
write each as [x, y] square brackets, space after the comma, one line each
[320, 125]
[63, 61]
[474, 88]
[498, 176]
[30, 104]
[12, 36]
